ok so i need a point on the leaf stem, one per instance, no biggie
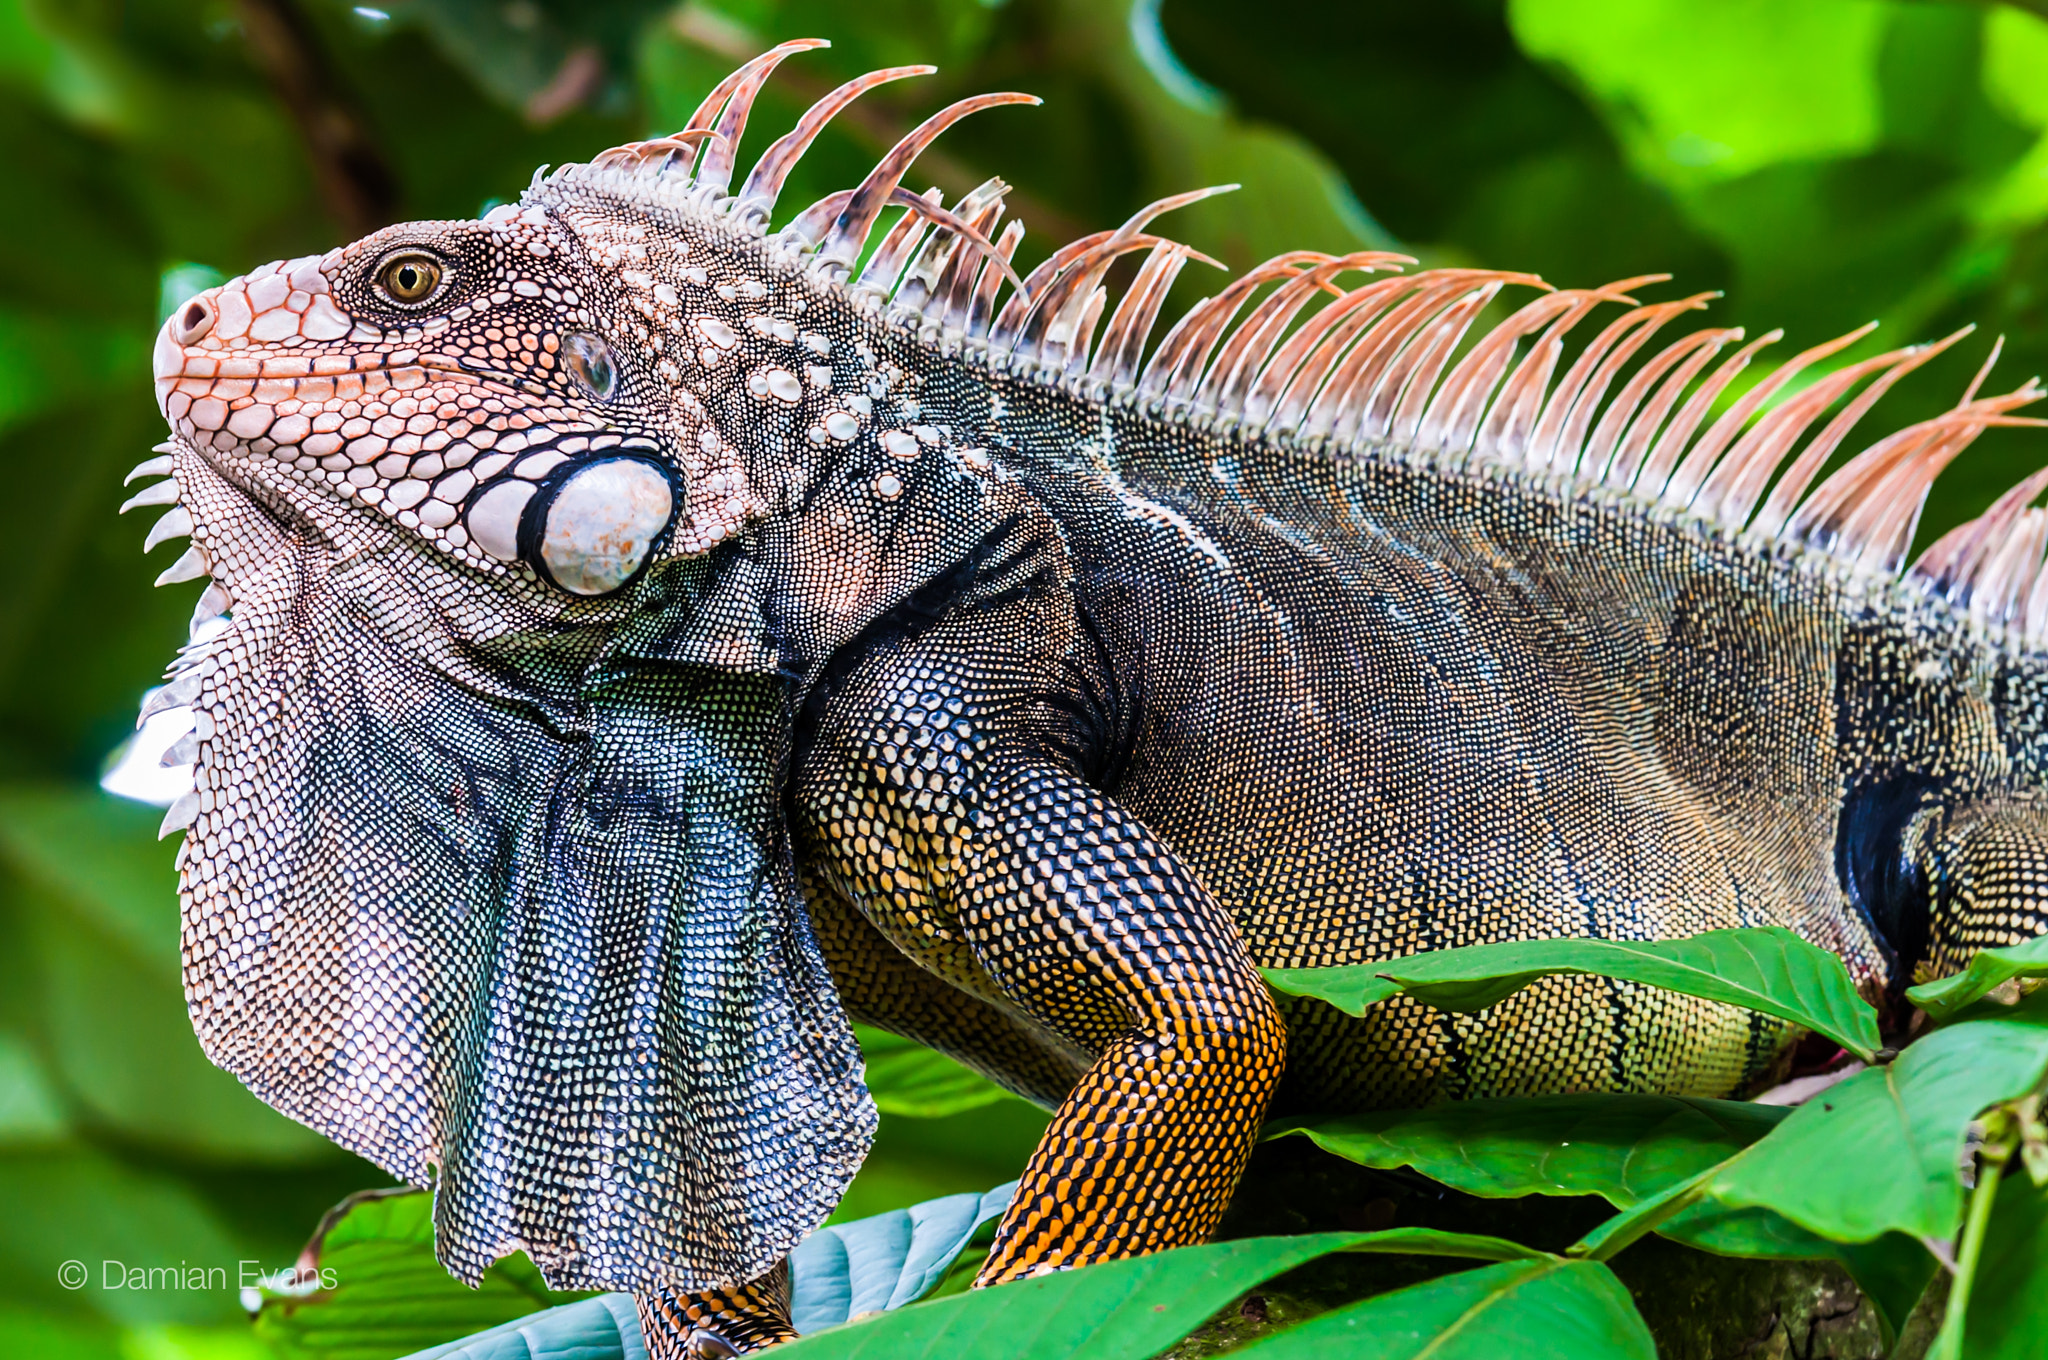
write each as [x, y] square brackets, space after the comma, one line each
[1948, 1343]
[1617, 1233]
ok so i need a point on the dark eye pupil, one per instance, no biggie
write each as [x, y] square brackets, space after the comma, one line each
[410, 280]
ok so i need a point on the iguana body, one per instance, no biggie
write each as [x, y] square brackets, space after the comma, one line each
[646, 642]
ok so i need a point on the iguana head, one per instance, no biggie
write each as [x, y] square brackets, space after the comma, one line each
[520, 533]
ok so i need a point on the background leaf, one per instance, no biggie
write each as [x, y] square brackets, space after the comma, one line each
[96, 894]
[389, 1296]
[1767, 969]
[909, 1079]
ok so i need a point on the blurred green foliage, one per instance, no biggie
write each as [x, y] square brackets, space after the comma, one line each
[1822, 161]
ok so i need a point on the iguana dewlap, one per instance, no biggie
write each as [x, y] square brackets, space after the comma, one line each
[636, 642]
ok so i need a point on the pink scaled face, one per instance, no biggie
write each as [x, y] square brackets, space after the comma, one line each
[453, 377]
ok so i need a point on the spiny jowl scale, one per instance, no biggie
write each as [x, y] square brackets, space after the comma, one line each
[635, 643]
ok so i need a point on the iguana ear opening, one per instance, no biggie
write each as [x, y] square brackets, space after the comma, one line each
[1986, 874]
[591, 526]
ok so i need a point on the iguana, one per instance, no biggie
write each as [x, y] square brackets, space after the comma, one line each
[638, 641]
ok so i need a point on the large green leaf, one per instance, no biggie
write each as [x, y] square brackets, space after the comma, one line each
[909, 1079]
[379, 1291]
[1625, 1148]
[1881, 1152]
[1544, 1308]
[1989, 969]
[1765, 969]
[1124, 1310]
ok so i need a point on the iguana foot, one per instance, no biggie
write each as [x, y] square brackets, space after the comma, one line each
[717, 1323]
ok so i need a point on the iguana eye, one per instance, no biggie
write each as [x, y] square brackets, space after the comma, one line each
[409, 278]
[589, 361]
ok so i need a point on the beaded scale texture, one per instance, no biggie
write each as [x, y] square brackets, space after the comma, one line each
[636, 642]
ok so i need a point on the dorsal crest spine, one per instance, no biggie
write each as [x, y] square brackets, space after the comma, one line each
[1388, 363]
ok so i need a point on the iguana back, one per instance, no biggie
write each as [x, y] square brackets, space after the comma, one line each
[1383, 708]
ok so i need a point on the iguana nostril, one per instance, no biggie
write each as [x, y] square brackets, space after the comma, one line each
[195, 319]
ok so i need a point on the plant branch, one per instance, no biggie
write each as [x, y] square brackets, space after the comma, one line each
[355, 179]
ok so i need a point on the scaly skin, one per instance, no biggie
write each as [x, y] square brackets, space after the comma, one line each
[926, 667]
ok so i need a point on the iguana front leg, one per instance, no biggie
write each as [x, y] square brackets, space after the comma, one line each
[1093, 926]
[945, 804]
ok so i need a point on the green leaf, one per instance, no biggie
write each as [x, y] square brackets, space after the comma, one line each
[1625, 1148]
[30, 1114]
[1880, 1152]
[1622, 1147]
[179, 282]
[1700, 93]
[1435, 1242]
[121, 1044]
[1766, 969]
[1989, 969]
[909, 1079]
[380, 1292]
[100, 855]
[113, 1220]
[1124, 1310]
[98, 892]
[46, 361]
[874, 1264]
[2015, 55]
[2004, 1321]
[1546, 1308]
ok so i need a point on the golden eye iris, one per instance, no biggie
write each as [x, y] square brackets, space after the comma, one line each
[409, 277]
